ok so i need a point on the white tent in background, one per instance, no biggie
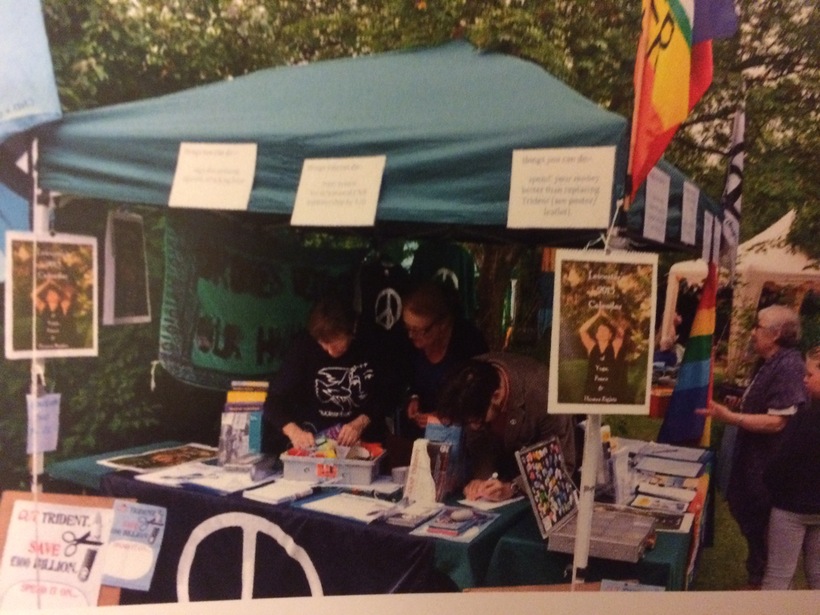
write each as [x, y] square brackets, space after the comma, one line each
[766, 259]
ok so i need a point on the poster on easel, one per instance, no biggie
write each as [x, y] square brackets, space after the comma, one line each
[51, 296]
[126, 293]
[601, 354]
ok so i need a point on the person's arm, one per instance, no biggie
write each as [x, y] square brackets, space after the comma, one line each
[758, 423]
[279, 406]
[583, 331]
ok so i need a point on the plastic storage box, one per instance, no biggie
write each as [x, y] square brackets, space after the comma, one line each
[344, 471]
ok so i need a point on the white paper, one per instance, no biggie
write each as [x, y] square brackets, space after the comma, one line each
[689, 213]
[43, 423]
[670, 493]
[487, 504]
[350, 506]
[175, 476]
[134, 544]
[674, 467]
[53, 556]
[561, 187]
[338, 191]
[281, 490]
[657, 205]
[420, 486]
[708, 231]
[717, 233]
[214, 176]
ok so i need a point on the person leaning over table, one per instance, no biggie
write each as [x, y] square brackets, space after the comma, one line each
[793, 479]
[327, 378]
[774, 395]
[501, 399]
[440, 339]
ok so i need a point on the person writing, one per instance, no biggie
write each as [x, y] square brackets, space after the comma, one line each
[793, 479]
[501, 400]
[327, 381]
[606, 373]
[773, 397]
[440, 340]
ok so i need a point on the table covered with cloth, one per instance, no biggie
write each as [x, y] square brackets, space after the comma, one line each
[226, 547]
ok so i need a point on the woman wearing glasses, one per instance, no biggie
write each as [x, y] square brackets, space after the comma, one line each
[440, 340]
[773, 397]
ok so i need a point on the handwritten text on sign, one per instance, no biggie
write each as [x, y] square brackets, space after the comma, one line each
[561, 188]
[338, 191]
[214, 176]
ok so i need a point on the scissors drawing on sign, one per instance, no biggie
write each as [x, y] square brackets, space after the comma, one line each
[72, 540]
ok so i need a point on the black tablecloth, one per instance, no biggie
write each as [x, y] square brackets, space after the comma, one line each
[349, 558]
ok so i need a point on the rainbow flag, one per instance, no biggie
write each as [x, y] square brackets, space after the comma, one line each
[673, 70]
[693, 389]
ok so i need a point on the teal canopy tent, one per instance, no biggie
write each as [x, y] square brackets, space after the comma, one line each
[447, 118]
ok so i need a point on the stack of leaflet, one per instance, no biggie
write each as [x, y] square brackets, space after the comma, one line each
[666, 480]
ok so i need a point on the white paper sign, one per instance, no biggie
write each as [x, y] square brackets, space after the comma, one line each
[338, 191]
[43, 423]
[717, 232]
[561, 188]
[214, 176]
[708, 232]
[657, 205]
[689, 213]
[53, 556]
[131, 553]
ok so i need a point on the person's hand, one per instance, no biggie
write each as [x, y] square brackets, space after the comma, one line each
[298, 436]
[351, 432]
[415, 414]
[717, 411]
[491, 489]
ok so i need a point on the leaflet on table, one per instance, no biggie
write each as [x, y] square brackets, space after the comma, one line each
[205, 476]
[670, 493]
[133, 547]
[53, 556]
[482, 504]
[349, 506]
[661, 465]
[412, 514]
[467, 536]
[668, 451]
[280, 491]
[662, 504]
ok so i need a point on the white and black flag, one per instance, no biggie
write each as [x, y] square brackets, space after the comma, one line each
[732, 191]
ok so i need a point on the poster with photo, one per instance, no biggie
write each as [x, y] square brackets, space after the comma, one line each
[51, 296]
[126, 295]
[601, 354]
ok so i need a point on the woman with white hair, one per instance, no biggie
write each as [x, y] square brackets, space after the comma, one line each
[773, 397]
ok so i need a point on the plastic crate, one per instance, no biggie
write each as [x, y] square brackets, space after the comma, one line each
[344, 471]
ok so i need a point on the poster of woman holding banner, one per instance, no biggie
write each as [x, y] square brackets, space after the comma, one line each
[51, 296]
[601, 349]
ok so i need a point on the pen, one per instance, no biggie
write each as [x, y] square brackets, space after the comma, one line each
[493, 476]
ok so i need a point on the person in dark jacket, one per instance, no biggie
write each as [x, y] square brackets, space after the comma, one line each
[793, 479]
[501, 400]
[773, 397]
[327, 382]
